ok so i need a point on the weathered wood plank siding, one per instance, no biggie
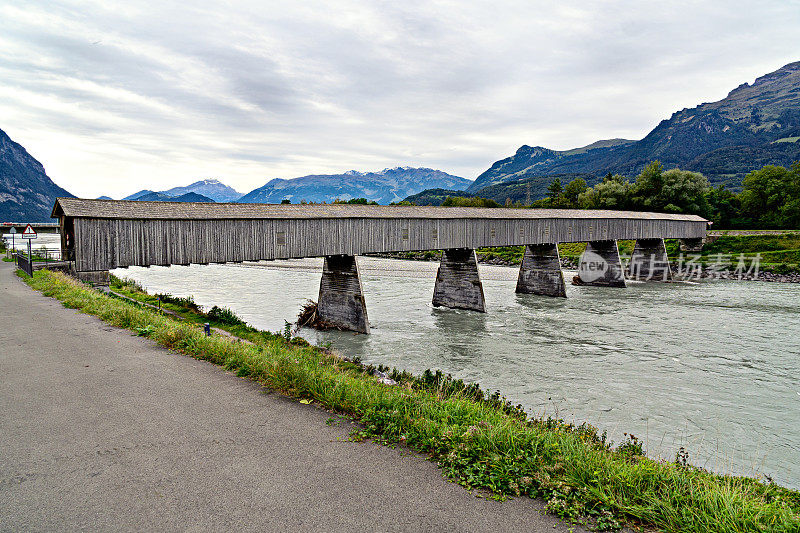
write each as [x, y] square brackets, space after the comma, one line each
[111, 234]
[103, 243]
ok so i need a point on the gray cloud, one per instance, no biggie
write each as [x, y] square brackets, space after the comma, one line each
[114, 98]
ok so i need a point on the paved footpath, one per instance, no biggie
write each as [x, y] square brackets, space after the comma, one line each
[102, 430]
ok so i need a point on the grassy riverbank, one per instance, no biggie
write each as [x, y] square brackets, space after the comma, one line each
[480, 441]
[778, 253]
[511, 255]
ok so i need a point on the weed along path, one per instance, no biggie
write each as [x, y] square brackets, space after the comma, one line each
[100, 429]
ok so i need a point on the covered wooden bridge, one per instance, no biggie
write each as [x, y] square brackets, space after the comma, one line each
[99, 235]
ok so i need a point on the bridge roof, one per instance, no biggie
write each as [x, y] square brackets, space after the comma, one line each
[133, 209]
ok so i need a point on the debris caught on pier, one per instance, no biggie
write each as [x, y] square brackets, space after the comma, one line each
[309, 318]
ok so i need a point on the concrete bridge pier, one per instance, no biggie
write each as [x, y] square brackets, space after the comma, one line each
[692, 245]
[458, 284]
[540, 272]
[95, 277]
[341, 299]
[600, 265]
[649, 261]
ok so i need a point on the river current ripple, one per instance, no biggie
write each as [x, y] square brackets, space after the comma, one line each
[711, 366]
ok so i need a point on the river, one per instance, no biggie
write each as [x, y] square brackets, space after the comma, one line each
[712, 366]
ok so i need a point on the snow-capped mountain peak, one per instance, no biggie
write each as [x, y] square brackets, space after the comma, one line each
[385, 186]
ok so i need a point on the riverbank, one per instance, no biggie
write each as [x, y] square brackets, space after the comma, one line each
[777, 254]
[478, 442]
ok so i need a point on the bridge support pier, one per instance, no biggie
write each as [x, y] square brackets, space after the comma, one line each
[341, 299]
[600, 265]
[95, 277]
[692, 245]
[458, 284]
[649, 261]
[540, 272]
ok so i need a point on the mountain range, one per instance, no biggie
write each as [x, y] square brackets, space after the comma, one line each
[388, 185]
[27, 194]
[161, 197]
[524, 190]
[754, 125]
[211, 189]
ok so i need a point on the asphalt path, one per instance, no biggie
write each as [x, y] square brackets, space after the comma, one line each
[103, 430]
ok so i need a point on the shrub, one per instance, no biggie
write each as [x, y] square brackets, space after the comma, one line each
[187, 301]
[223, 315]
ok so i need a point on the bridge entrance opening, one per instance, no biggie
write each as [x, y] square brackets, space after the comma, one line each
[68, 238]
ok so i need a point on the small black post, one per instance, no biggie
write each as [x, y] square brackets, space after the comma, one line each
[207, 329]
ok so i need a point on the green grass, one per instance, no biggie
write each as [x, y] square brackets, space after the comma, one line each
[751, 244]
[779, 253]
[190, 312]
[479, 441]
[774, 249]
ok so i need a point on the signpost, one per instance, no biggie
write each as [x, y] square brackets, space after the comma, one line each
[13, 240]
[29, 234]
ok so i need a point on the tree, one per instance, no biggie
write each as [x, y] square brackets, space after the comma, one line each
[460, 201]
[684, 192]
[673, 191]
[358, 201]
[723, 207]
[771, 197]
[555, 190]
[286, 201]
[573, 190]
[612, 193]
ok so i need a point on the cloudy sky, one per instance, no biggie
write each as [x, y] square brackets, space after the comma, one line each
[113, 97]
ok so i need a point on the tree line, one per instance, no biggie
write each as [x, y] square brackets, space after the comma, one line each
[770, 196]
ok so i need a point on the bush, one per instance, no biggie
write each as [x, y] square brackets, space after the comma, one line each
[124, 283]
[223, 315]
[187, 301]
[460, 201]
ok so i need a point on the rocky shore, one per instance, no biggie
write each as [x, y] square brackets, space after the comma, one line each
[791, 277]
